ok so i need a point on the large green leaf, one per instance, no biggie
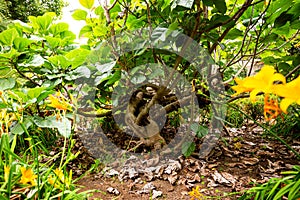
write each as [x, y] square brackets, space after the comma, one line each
[21, 43]
[63, 125]
[79, 14]
[116, 77]
[234, 34]
[283, 30]
[188, 148]
[87, 3]
[82, 71]
[208, 2]
[220, 5]
[34, 93]
[7, 83]
[18, 129]
[44, 21]
[85, 29]
[35, 61]
[183, 3]
[8, 36]
[58, 28]
[53, 42]
[105, 67]
[276, 9]
[60, 61]
[77, 56]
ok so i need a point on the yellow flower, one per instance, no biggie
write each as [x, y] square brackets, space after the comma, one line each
[290, 93]
[60, 174]
[59, 102]
[28, 176]
[263, 81]
[240, 87]
[53, 181]
[6, 172]
[195, 194]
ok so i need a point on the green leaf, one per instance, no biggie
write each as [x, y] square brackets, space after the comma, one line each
[208, 2]
[18, 130]
[102, 77]
[276, 9]
[188, 148]
[116, 76]
[34, 93]
[44, 21]
[165, 5]
[53, 42]
[67, 36]
[3, 105]
[138, 78]
[99, 11]
[60, 60]
[8, 36]
[36, 61]
[184, 3]
[58, 28]
[21, 95]
[295, 189]
[156, 73]
[234, 34]
[194, 127]
[21, 43]
[87, 3]
[79, 14]
[63, 125]
[220, 5]
[282, 191]
[202, 131]
[7, 83]
[283, 30]
[85, 29]
[217, 19]
[105, 67]
[77, 56]
[82, 71]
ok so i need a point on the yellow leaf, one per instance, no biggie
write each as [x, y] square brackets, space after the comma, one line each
[87, 3]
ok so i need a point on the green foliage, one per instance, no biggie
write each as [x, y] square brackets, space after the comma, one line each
[21, 10]
[254, 110]
[40, 58]
[188, 148]
[277, 188]
[288, 125]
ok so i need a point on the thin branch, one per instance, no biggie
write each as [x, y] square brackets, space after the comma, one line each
[255, 50]
[24, 76]
[293, 71]
[290, 39]
[234, 18]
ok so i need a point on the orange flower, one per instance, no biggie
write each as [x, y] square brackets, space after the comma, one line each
[28, 176]
[59, 102]
[271, 108]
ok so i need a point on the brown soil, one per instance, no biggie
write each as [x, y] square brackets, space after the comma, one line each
[242, 158]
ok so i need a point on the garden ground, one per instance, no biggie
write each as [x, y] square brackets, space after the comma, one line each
[244, 156]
